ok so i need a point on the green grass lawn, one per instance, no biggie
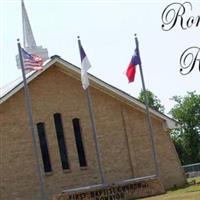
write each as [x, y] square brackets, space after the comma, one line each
[190, 192]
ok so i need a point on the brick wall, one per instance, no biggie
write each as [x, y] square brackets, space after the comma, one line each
[121, 129]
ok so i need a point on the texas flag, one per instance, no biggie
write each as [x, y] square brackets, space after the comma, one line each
[131, 70]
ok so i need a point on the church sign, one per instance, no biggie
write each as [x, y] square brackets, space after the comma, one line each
[115, 192]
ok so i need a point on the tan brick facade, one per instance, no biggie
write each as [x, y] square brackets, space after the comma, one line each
[121, 129]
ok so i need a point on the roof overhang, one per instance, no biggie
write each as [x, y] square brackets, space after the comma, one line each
[95, 82]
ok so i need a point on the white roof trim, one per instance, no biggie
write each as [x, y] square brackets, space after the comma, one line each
[56, 59]
[29, 78]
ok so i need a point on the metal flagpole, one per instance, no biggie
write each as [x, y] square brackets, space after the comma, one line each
[91, 114]
[155, 157]
[31, 124]
[89, 101]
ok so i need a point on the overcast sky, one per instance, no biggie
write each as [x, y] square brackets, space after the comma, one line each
[107, 32]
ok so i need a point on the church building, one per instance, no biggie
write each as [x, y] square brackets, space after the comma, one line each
[67, 148]
[64, 135]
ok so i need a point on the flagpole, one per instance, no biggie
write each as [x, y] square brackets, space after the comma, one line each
[89, 102]
[94, 132]
[31, 124]
[152, 136]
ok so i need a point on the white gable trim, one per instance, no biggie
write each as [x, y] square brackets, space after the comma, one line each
[56, 59]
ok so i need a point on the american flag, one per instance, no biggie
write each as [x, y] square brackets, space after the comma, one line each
[31, 61]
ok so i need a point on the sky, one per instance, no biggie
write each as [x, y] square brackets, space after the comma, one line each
[107, 29]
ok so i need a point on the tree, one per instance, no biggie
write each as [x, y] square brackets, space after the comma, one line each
[187, 137]
[152, 99]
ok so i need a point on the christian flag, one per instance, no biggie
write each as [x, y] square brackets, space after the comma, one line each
[85, 64]
[31, 61]
[131, 70]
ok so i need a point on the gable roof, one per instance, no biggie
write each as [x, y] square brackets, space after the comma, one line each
[111, 90]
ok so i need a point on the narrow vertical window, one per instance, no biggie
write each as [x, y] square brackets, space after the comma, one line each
[44, 147]
[79, 142]
[61, 140]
